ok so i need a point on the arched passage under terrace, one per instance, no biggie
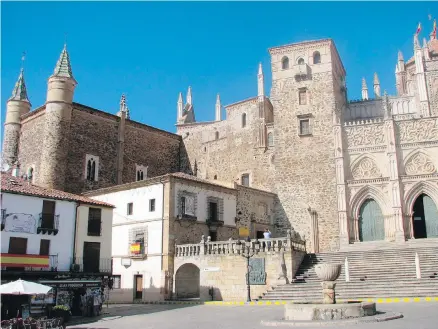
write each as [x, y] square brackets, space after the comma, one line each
[187, 281]
[371, 221]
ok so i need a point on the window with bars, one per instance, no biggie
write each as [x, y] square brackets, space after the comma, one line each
[129, 208]
[152, 205]
[304, 127]
[94, 221]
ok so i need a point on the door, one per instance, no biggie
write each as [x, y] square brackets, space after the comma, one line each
[213, 236]
[430, 216]
[91, 257]
[48, 214]
[138, 287]
[371, 222]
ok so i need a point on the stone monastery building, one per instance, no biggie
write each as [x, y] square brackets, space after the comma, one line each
[343, 171]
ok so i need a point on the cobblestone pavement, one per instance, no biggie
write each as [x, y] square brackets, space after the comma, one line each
[416, 315]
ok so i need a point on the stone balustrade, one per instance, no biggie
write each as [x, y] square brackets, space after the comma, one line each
[232, 247]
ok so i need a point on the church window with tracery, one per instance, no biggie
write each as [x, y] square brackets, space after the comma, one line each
[141, 172]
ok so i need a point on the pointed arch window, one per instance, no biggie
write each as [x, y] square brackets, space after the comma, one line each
[285, 63]
[92, 168]
[243, 120]
[316, 57]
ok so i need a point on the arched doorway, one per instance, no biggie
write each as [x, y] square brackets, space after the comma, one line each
[425, 217]
[187, 281]
[371, 222]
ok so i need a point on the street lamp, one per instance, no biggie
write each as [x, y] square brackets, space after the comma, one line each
[247, 252]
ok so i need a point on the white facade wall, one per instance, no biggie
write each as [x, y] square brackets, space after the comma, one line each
[27, 209]
[142, 217]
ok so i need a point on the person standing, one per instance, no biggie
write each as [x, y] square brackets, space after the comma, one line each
[267, 235]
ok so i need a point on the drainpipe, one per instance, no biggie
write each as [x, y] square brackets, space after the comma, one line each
[75, 231]
[162, 233]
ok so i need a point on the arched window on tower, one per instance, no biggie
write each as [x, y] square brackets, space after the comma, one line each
[300, 61]
[270, 139]
[30, 174]
[243, 120]
[141, 172]
[285, 63]
[216, 135]
[92, 167]
[316, 57]
[140, 175]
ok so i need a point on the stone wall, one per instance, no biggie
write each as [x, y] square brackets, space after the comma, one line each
[225, 270]
[30, 145]
[235, 149]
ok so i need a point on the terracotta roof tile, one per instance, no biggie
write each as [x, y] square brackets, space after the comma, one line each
[17, 185]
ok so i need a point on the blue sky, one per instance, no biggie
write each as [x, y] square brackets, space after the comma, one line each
[153, 50]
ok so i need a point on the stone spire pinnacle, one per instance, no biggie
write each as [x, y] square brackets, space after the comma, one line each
[19, 93]
[189, 96]
[260, 82]
[400, 56]
[63, 66]
[424, 43]
[218, 108]
[123, 107]
[416, 42]
[180, 105]
[364, 89]
[376, 85]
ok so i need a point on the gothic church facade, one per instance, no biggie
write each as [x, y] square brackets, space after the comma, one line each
[343, 171]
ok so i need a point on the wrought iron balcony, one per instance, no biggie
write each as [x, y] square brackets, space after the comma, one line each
[29, 262]
[48, 223]
[91, 265]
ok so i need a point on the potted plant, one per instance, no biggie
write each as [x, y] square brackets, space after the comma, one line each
[61, 311]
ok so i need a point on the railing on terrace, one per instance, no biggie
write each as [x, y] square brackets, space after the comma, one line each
[29, 262]
[232, 247]
[91, 265]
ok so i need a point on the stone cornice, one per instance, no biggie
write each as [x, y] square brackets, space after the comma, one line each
[299, 46]
[414, 178]
[367, 181]
[361, 149]
[418, 144]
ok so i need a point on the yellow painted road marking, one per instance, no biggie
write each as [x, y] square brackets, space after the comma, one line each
[380, 300]
[396, 300]
[389, 300]
[416, 299]
[406, 299]
[428, 299]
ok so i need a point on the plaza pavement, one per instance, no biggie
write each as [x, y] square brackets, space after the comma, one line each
[422, 315]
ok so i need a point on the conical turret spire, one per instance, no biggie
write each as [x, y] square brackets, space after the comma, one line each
[179, 106]
[19, 93]
[376, 85]
[63, 66]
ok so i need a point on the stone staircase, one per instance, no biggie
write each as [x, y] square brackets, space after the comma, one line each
[376, 270]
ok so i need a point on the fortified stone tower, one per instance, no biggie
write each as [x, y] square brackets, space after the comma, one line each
[17, 105]
[58, 114]
[308, 94]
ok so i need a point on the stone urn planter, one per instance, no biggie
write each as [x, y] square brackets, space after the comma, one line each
[328, 272]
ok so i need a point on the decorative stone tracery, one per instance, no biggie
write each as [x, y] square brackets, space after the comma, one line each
[419, 163]
[366, 168]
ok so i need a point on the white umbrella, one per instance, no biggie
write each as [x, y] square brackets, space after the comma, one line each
[21, 287]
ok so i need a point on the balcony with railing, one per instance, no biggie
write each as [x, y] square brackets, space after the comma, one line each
[137, 250]
[29, 262]
[48, 224]
[91, 265]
